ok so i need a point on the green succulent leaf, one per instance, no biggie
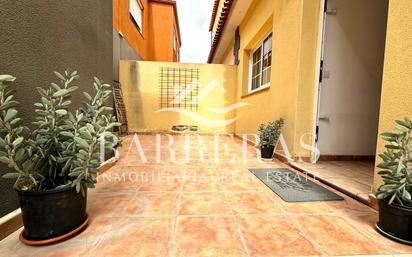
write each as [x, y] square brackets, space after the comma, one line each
[61, 112]
[11, 113]
[402, 128]
[402, 123]
[66, 134]
[406, 195]
[4, 160]
[18, 141]
[15, 121]
[7, 78]
[88, 97]
[81, 142]
[11, 175]
[72, 89]
[60, 76]
[61, 92]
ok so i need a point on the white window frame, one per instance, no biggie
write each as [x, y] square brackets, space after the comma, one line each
[259, 44]
[136, 13]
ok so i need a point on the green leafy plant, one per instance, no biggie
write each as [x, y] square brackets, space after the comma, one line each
[269, 134]
[396, 168]
[63, 148]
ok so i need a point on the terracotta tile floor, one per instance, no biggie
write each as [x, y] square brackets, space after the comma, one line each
[208, 208]
[353, 177]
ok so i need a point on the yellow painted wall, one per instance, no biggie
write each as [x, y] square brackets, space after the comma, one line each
[294, 25]
[396, 99]
[141, 92]
[308, 74]
[295, 28]
[228, 57]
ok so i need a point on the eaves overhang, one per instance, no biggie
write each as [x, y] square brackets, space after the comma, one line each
[232, 14]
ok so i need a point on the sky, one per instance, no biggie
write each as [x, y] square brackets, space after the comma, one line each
[194, 19]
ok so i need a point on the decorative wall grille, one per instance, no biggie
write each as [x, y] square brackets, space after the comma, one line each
[179, 88]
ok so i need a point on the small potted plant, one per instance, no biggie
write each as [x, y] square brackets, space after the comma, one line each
[268, 136]
[394, 195]
[58, 159]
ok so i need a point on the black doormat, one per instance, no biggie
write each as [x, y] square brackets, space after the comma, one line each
[293, 187]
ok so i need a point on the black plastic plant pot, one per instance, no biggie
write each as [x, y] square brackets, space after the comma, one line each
[395, 222]
[53, 213]
[266, 151]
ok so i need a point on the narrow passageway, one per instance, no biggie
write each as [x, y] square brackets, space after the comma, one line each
[207, 208]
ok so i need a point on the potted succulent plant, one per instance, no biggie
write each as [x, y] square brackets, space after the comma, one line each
[58, 159]
[268, 136]
[394, 195]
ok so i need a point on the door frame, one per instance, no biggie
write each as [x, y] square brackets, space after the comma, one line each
[318, 82]
[318, 73]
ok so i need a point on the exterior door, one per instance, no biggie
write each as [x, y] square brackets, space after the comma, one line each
[349, 97]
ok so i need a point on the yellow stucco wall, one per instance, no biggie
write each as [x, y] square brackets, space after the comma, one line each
[292, 95]
[308, 74]
[396, 99]
[228, 57]
[141, 91]
[294, 25]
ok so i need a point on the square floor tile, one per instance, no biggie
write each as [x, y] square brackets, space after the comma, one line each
[335, 236]
[157, 203]
[161, 186]
[207, 236]
[206, 203]
[366, 224]
[252, 203]
[238, 185]
[201, 186]
[137, 237]
[112, 204]
[266, 235]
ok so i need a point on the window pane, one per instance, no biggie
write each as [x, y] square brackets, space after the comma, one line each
[267, 45]
[256, 55]
[267, 59]
[136, 12]
[257, 82]
[255, 70]
[263, 77]
[258, 67]
[265, 62]
[266, 76]
[261, 62]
